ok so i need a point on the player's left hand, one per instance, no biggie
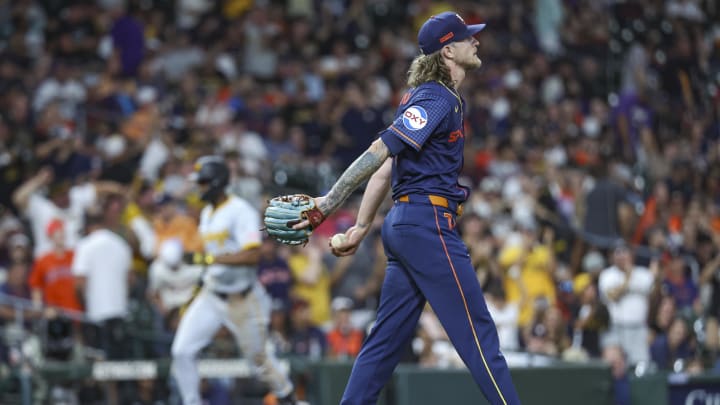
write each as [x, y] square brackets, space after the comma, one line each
[353, 237]
[306, 223]
[290, 219]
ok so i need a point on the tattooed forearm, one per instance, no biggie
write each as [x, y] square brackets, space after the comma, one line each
[359, 171]
[375, 192]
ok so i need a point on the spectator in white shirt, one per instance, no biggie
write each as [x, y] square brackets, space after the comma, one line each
[171, 282]
[625, 288]
[101, 267]
[66, 203]
[506, 316]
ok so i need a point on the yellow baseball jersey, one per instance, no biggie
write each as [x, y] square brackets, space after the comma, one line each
[231, 227]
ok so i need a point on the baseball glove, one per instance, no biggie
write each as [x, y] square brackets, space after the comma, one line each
[285, 211]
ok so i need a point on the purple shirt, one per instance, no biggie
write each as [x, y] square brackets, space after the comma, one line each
[127, 36]
[684, 293]
[637, 114]
[275, 275]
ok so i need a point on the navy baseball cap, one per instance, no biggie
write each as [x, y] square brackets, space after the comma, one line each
[442, 29]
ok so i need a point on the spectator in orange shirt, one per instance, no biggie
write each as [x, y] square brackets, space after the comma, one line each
[140, 125]
[657, 212]
[344, 340]
[171, 223]
[51, 279]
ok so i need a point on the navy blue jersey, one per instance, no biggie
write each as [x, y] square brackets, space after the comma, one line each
[426, 141]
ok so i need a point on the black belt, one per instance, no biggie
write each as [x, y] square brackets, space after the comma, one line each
[242, 293]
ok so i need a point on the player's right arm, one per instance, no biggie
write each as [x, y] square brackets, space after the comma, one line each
[410, 129]
[376, 190]
[360, 170]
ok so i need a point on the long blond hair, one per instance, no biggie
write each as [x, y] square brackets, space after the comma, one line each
[427, 68]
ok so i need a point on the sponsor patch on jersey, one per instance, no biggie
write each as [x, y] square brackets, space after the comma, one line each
[415, 117]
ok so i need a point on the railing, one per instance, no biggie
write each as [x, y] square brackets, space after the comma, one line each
[26, 309]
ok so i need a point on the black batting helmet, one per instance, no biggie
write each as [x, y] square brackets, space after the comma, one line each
[213, 171]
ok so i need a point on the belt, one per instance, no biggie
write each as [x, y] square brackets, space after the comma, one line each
[435, 200]
[225, 295]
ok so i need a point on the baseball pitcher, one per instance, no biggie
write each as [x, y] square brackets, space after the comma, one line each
[420, 157]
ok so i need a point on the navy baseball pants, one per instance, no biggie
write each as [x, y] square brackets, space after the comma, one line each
[427, 260]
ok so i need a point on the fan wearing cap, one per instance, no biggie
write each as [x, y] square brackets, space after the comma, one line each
[63, 201]
[625, 287]
[51, 279]
[590, 314]
[344, 340]
[170, 222]
[420, 157]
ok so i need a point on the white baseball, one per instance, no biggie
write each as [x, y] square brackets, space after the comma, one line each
[337, 240]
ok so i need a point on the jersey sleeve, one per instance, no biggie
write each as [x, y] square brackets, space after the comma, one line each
[154, 276]
[606, 283]
[416, 122]
[82, 196]
[127, 256]
[39, 209]
[246, 230]
[643, 282]
[81, 260]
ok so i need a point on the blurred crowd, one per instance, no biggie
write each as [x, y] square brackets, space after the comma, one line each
[593, 153]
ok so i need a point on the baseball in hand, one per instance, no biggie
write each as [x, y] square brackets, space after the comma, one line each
[337, 240]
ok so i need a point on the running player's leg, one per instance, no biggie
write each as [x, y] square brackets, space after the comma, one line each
[440, 265]
[400, 306]
[197, 327]
[248, 318]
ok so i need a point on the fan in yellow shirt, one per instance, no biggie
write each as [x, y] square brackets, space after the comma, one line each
[531, 270]
[311, 279]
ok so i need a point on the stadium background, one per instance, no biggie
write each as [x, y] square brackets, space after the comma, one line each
[590, 123]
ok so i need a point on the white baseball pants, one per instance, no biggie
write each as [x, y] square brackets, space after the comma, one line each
[247, 319]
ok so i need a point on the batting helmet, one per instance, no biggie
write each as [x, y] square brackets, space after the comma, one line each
[213, 171]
